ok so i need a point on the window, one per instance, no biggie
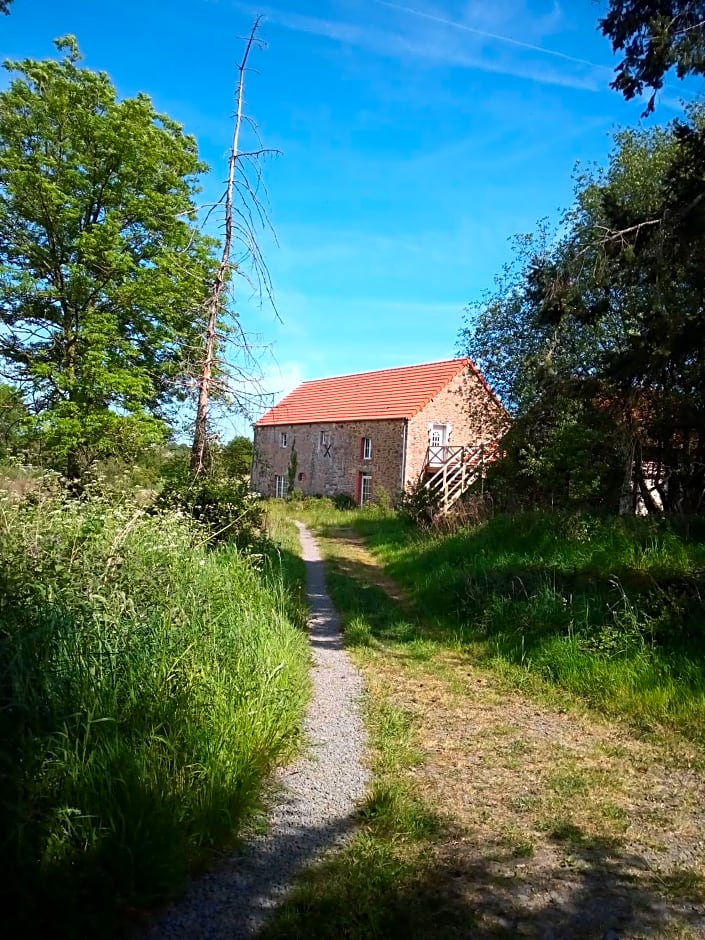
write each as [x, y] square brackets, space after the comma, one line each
[437, 436]
[367, 448]
[283, 439]
[280, 487]
[365, 488]
[324, 443]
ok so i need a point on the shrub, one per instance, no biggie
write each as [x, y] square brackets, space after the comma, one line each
[419, 504]
[344, 501]
[146, 687]
[223, 504]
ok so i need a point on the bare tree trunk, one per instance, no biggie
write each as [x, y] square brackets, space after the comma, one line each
[213, 305]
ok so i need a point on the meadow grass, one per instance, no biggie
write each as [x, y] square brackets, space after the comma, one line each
[478, 792]
[610, 609]
[148, 684]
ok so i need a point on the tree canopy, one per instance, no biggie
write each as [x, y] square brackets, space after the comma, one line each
[237, 456]
[103, 268]
[655, 36]
[610, 316]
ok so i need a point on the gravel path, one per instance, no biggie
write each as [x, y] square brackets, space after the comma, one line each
[313, 803]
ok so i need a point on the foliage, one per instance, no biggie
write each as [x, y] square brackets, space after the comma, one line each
[516, 351]
[562, 452]
[418, 504]
[654, 37]
[236, 457]
[609, 315]
[292, 469]
[222, 504]
[15, 435]
[5, 6]
[103, 268]
[344, 501]
[146, 688]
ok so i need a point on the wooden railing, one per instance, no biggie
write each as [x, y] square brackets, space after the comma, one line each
[442, 453]
[451, 470]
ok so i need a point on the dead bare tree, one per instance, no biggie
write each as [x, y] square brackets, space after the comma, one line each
[240, 226]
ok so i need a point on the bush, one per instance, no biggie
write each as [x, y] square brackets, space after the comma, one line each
[146, 687]
[419, 505]
[223, 504]
[344, 501]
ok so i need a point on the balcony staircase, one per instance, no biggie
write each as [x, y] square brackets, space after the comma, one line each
[449, 471]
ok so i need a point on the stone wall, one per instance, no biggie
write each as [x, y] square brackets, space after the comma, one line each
[466, 404]
[334, 468]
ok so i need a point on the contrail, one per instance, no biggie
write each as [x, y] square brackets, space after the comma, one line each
[481, 32]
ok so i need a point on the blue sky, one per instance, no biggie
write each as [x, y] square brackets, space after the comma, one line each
[416, 138]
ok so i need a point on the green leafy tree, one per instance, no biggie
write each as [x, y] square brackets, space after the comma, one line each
[14, 422]
[611, 316]
[237, 456]
[103, 270]
[654, 37]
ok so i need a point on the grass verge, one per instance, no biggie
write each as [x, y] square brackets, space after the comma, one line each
[494, 814]
[147, 686]
[611, 610]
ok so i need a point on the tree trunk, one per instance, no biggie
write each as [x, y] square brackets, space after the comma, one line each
[200, 436]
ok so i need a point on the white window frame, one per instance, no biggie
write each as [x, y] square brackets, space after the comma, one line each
[367, 448]
[283, 439]
[439, 430]
[281, 485]
[365, 488]
[323, 442]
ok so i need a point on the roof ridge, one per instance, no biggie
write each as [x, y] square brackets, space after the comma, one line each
[355, 375]
[375, 395]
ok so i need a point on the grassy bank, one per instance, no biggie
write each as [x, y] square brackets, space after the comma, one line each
[493, 812]
[147, 685]
[610, 609]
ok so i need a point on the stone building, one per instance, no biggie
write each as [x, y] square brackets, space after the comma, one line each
[375, 431]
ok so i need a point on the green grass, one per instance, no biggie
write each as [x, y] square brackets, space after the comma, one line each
[147, 686]
[612, 610]
[424, 866]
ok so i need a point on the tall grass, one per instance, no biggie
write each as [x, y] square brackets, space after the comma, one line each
[612, 609]
[147, 685]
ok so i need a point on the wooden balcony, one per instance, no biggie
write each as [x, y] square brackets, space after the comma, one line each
[443, 454]
[450, 470]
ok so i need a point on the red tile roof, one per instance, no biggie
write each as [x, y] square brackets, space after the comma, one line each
[367, 396]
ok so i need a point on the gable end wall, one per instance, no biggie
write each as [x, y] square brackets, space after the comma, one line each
[465, 404]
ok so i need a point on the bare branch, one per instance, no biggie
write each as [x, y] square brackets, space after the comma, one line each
[240, 224]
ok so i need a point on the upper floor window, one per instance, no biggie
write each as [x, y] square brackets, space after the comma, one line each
[283, 439]
[324, 443]
[367, 448]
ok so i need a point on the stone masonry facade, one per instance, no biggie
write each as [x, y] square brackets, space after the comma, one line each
[473, 413]
[331, 458]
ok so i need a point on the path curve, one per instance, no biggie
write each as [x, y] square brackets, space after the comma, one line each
[314, 798]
